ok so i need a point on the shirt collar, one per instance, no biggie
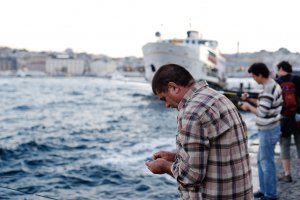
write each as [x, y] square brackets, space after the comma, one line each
[190, 93]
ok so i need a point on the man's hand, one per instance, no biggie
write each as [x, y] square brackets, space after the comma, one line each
[244, 96]
[245, 106]
[168, 156]
[159, 166]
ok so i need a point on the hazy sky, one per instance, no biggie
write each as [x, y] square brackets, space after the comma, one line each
[120, 28]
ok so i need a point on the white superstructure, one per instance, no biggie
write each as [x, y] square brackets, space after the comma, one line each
[199, 56]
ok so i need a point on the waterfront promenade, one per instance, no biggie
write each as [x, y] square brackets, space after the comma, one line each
[286, 191]
[289, 191]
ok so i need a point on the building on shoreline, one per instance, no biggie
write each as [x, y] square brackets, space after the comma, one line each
[8, 64]
[20, 62]
[63, 65]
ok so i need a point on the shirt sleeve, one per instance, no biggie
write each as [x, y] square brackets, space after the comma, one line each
[264, 104]
[189, 168]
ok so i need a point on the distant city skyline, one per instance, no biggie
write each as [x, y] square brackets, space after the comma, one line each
[120, 28]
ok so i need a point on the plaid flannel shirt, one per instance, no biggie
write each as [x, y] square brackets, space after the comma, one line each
[212, 159]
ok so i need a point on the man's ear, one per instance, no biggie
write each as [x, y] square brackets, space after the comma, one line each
[173, 86]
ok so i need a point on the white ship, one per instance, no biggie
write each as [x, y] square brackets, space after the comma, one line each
[199, 56]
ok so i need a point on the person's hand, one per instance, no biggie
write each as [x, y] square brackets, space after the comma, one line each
[245, 106]
[159, 166]
[169, 156]
[244, 96]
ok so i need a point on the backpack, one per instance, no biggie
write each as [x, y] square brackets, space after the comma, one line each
[289, 98]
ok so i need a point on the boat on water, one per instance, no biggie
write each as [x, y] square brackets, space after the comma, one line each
[201, 57]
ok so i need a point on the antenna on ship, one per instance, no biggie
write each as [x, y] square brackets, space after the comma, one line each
[158, 34]
[193, 31]
[237, 49]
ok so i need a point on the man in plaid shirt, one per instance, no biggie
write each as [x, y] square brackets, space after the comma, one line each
[211, 159]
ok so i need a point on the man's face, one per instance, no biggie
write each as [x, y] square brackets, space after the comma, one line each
[280, 72]
[257, 78]
[169, 97]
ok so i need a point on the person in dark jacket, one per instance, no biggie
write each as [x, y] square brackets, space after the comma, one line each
[288, 123]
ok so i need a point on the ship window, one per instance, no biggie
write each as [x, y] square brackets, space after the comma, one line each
[153, 68]
[187, 41]
[193, 41]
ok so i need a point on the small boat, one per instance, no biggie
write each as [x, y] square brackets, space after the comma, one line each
[201, 57]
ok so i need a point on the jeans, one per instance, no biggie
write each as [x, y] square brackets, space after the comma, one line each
[266, 162]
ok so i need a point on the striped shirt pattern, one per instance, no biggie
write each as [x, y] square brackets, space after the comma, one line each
[212, 160]
[269, 106]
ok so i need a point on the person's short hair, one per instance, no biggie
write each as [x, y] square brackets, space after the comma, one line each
[259, 68]
[170, 73]
[285, 66]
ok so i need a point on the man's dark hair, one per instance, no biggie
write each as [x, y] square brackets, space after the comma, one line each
[259, 68]
[285, 66]
[170, 73]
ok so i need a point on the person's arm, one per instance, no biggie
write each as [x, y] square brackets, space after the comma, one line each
[190, 165]
[246, 98]
[252, 101]
[262, 109]
[248, 107]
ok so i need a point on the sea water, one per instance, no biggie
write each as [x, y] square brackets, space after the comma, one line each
[83, 138]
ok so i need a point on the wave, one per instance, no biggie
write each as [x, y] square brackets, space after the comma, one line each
[22, 108]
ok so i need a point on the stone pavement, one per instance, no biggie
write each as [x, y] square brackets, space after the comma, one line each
[289, 191]
[286, 191]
